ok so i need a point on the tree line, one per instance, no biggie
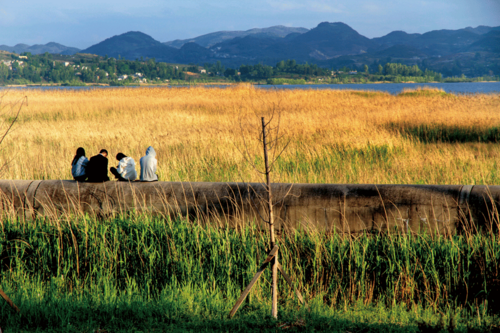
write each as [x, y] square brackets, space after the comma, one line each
[48, 68]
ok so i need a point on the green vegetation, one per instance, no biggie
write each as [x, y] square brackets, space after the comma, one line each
[48, 68]
[144, 273]
[285, 81]
[82, 69]
[444, 133]
[425, 93]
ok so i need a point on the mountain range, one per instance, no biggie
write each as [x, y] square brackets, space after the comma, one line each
[213, 38]
[328, 44]
[51, 47]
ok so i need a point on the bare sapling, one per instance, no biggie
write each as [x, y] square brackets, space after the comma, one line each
[270, 139]
[272, 240]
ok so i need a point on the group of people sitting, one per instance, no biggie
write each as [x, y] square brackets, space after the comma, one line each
[96, 169]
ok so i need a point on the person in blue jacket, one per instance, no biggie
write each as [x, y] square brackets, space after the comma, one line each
[79, 165]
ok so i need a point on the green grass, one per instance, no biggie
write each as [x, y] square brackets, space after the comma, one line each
[303, 163]
[143, 273]
[334, 156]
[277, 81]
[430, 92]
[444, 133]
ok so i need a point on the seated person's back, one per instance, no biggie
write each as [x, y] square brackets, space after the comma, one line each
[79, 165]
[148, 166]
[97, 168]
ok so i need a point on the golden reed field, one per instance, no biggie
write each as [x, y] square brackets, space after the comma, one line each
[421, 136]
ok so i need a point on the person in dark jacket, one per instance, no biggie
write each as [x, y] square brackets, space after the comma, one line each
[79, 165]
[97, 168]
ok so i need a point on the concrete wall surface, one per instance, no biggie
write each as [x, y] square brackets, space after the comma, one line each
[327, 207]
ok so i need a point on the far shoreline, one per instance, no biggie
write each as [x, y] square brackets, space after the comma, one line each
[222, 84]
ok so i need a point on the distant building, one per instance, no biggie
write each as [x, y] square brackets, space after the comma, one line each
[203, 71]
[7, 63]
[353, 72]
[122, 77]
[23, 57]
[66, 64]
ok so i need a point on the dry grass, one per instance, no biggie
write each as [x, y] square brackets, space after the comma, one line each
[336, 136]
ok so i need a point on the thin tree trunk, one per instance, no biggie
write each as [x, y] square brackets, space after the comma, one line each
[274, 262]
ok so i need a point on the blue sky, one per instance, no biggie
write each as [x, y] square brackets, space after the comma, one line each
[83, 23]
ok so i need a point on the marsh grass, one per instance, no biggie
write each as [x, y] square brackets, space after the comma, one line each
[144, 273]
[425, 91]
[336, 134]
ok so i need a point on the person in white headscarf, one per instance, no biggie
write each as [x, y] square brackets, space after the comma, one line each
[148, 166]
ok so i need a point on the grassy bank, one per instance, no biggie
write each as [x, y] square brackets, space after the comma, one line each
[145, 274]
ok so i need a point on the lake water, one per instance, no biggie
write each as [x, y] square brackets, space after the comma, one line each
[392, 88]
[396, 88]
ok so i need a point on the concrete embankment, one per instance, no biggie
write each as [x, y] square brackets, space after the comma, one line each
[326, 207]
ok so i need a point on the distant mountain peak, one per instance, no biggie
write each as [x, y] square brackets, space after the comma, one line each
[209, 40]
[334, 25]
[326, 23]
[397, 32]
[480, 29]
[121, 44]
[136, 33]
[340, 29]
[51, 47]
